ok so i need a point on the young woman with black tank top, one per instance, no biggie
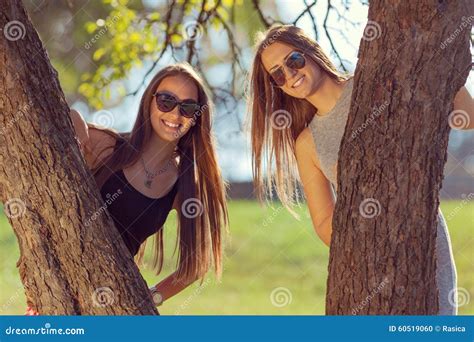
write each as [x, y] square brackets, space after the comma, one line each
[291, 73]
[166, 162]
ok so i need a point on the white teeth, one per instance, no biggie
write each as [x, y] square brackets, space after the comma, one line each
[297, 83]
[169, 124]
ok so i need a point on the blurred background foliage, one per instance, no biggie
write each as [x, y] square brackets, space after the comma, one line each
[94, 45]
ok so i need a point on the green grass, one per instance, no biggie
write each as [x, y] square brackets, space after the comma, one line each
[267, 249]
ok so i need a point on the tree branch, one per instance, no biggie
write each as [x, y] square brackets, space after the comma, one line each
[256, 5]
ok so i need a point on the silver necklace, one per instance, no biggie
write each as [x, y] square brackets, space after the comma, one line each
[151, 175]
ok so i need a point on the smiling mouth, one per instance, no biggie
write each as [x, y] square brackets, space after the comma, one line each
[171, 125]
[298, 82]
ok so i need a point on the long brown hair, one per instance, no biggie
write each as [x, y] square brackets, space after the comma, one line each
[273, 148]
[199, 180]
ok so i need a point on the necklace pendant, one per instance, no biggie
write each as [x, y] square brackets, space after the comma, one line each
[148, 183]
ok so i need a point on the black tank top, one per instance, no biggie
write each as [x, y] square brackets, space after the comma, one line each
[135, 215]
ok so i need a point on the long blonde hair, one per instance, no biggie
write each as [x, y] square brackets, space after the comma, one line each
[273, 148]
[200, 180]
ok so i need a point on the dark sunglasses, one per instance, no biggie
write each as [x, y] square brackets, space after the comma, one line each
[294, 60]
[166, 102]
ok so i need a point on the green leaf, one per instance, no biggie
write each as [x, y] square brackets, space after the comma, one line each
[86, 89]
[155, 16]
[90, 27]
[98, 54]
[176, 39]
[107, 93]
[85, 77]
[223, 13]
[147, 47]
[135, 37]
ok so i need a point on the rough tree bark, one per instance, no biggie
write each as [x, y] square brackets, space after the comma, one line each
[70, 264]
[413, 59]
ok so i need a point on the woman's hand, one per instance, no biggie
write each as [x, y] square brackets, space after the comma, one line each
[156, 295]
[167, 288]
[31, 312]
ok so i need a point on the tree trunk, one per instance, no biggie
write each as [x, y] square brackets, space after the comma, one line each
[413, 59]
[73, 260]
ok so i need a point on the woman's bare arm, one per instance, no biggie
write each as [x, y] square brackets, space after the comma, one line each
[316, 186]
[170, 286]
[80, 127]
[95, 143]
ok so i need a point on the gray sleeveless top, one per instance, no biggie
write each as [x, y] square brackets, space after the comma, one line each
[327, 132]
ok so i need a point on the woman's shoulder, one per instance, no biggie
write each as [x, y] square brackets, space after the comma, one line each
[305, 147]
[102, 142]
[304, 139]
